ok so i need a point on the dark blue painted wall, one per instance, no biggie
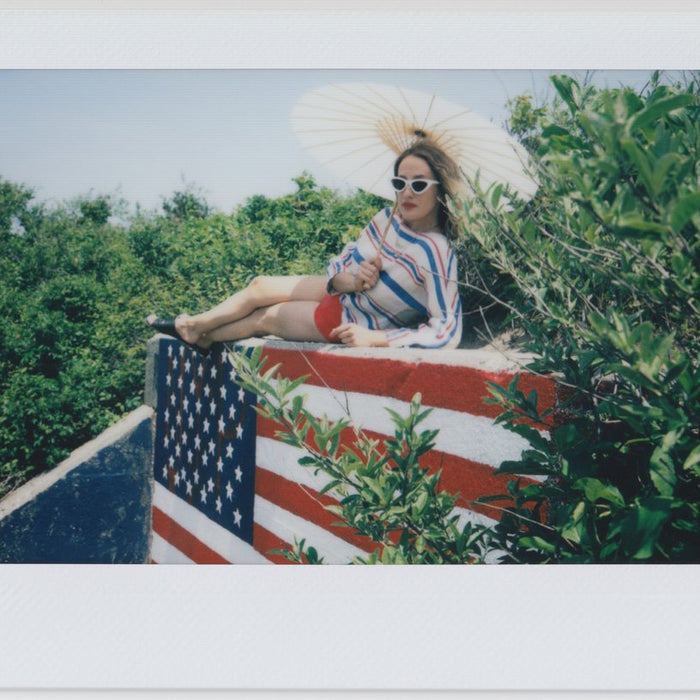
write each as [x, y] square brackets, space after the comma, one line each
[99, 513]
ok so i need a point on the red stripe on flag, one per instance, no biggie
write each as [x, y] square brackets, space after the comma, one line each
[183, 540]
[265, 541]
[455, 387]
[308, 504]
[469, 479]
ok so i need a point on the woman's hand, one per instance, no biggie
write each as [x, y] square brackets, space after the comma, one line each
[358, 337]
[367, 274]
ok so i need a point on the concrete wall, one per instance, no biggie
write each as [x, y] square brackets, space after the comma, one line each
[228, 490]
[95, 507]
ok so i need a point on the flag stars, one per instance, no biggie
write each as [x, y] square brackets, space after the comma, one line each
[212, 408]
[222, 392]
[190, 421]
[198, 406]
[190, 455]
[214, 372]
[196, 476]
[177, 451]
[219, 504]
[212, 447]
[203, 494]
[207, 390]
[222, 424]
[197, 442]
[205, 425]
[241, 394]
[229, 491]
[210, 485]
[220, 465]
[238, 473]
[229, 451]
[231, 411]
[180, 382]
[193, 386]
[186, 404]
[188, 487]
[237, 517]
[200, 371]
[168, 380]
[239, 431]
[188, 366]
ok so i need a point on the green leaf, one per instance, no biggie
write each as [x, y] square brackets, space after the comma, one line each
[684, 209]
[658, 109]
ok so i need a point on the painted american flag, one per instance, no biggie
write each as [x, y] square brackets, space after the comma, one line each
[228, 490]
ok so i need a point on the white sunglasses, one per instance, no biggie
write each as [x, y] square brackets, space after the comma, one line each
[418, 186]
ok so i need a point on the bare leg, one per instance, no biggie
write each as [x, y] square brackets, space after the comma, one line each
[261, 292]
[290, 320]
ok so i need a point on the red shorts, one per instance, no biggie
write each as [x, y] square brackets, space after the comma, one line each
[328, 315]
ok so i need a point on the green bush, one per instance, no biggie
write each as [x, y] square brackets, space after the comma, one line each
[606, 264]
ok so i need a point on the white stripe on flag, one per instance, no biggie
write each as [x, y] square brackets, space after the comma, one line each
[287, 526]
[476, 438]
[163, 552]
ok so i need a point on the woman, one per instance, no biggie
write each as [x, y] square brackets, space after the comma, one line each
[396, 286]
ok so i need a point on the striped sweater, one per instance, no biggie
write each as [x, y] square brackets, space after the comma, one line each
[416, 300]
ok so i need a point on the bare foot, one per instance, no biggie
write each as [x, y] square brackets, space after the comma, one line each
[186, 328]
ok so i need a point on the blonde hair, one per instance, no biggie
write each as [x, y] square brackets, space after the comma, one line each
[446, 172]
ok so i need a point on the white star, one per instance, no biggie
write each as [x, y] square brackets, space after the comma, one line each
[218, 505]
[182, 350]
[222, 424]
[229, 491]
[239, 431]
[168, 380]
[172, 399]
[171, 461]
[212, 447]
[229, 451]
[237, 517]
[232, 411]
[166, 415]
[179, 383]
[188, 366]
[238, 473]
[193, 386]
[178, 419]
[177, 450]
[184, 438]
[213, 372]
[212, 408]
[198, 406]
[207, 390]
[165, 472]
[203, 495]
[166, 441]
[188, 487]
[200, 371]
[183, 474]
[174, 363]
[189, 456]
[210, 485]
[177, 478]
[220, 465]
[241, 394]
[170, 350]
[233, 374]
[205, 425]
[190, 421]
[205, 459]
[186, 404]
[196, 476]
[197, 442]
[222, 392]
[172, 433]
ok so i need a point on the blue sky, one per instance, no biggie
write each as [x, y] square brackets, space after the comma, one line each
[143, 134]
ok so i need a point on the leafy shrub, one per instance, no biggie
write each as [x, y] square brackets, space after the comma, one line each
[606, 264]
